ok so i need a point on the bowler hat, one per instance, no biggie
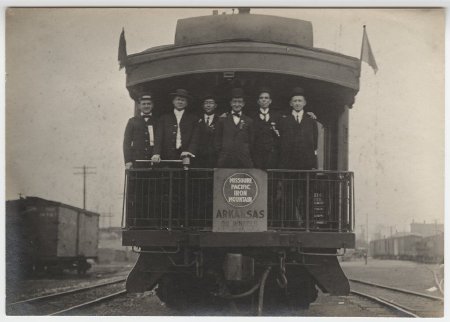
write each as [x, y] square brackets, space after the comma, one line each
[237, 93]
[181, 93]
[264, 89]
[297, 91]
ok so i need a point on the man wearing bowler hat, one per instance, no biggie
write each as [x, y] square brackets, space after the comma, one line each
[139, 137]
[267, 136]
[299, 133]
[176, 136]
[206, 154]
[234, 135]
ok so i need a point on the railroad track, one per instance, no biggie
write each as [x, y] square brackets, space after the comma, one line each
[402, 302]
[68, 301]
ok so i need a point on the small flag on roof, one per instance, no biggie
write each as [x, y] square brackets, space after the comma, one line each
[367, 53]
[122, 50]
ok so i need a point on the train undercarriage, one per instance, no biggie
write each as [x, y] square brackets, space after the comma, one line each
[251, 278]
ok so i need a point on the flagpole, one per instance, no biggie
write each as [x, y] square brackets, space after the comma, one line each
[362, 47]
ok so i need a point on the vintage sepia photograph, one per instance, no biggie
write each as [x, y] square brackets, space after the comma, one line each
[224, 161]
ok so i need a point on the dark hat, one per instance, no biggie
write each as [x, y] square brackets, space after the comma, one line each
[207, 96]
[237, 93]
[297, 91]
[182, 93]
[265, 89]
[145, 96]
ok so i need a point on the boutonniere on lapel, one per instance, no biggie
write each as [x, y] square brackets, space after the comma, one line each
[273, 126]
[242, 124]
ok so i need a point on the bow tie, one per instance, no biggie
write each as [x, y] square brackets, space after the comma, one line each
[146, 115]
[236, 114]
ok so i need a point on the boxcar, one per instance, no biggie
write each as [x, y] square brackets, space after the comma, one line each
[193, 241]
[48, 235]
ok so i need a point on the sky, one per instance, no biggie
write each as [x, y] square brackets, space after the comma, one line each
[67, 105]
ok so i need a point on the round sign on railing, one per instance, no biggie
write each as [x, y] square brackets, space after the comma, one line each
[240, 190]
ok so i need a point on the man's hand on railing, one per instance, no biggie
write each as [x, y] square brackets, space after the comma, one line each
[187, 154]
[156, 158]
[128, 165]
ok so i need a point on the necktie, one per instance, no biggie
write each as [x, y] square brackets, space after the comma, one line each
[208, 120]
[235, 114]
[297, 118]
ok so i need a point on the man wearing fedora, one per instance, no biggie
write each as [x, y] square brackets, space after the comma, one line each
[139, 137]
[206, 154]
[267, 136]
[298, 134]
[234, 135]
[176, 135]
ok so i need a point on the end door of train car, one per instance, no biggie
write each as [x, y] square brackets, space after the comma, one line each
[220, 233]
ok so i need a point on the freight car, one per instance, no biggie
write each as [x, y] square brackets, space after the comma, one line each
[409, 247]
[195, 241]
[431, 249]
[44, 235]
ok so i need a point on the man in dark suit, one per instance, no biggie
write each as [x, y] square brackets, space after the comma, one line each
[234, 135]
[139, 136]
[299, 133]
[176, 135]
[206, 155]
[266, 121]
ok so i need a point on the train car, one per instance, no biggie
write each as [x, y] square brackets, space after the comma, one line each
[44, 235]
[194, 240]
[431, 249]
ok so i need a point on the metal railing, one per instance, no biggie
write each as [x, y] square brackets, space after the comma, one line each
[174, 198]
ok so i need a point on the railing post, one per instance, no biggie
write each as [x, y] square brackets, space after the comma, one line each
[339, 202]
[186, 198]
[186, 162]
[307, 201]
[125, 190]
[170, 198]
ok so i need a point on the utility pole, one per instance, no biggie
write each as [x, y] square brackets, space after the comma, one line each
[84, 173]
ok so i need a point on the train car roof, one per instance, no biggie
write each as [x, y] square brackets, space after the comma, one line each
[37, 200]
[264, 44]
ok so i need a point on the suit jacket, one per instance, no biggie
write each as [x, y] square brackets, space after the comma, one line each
[266, 150]
[166, 134]
[233, 142]
[298, 143]
[136, 141]
[206, 156]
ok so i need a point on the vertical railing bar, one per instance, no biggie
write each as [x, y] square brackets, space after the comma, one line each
[307, 200]
[186, 198]
[353, 202]
[339, 203]
[125, 191]
[170, 198]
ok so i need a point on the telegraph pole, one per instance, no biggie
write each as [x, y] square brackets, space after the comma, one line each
[84, 173]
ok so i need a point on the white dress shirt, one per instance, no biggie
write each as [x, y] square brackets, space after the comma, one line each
[208, 119]
[236, 119]
[298, 115]
[264, 114]
[178, 116]
[151, 136]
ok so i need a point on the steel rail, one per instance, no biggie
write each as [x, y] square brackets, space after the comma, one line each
[89, 303]
[393, 306]
[400, 290]
[74, 291]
